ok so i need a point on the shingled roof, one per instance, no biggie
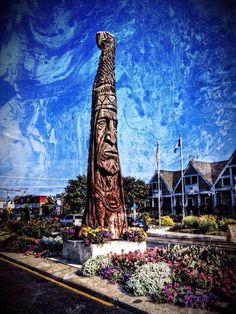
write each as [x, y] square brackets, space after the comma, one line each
[209, 170]
[170, 177]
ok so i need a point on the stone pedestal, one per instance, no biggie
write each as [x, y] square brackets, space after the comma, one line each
[76, 251]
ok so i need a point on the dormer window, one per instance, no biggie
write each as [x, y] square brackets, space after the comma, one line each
[190, 180]
[155, 186]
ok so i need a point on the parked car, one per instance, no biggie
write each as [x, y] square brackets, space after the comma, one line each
[71, 219]
[139, 222]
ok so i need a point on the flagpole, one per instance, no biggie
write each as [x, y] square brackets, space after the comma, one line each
[158, 183]
[182, 177]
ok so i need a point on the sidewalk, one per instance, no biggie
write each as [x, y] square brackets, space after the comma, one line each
[69, 274]
[170, 234]
[162, 238]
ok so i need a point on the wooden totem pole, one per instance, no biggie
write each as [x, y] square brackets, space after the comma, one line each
[105, 204]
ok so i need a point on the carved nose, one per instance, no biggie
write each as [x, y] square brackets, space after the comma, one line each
[111, 137]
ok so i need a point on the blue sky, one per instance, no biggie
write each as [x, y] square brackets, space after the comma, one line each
[175, 73]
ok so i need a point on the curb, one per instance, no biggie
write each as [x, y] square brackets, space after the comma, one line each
[102, 296]
[176, 235]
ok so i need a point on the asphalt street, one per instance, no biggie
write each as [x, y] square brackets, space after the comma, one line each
[24, 292]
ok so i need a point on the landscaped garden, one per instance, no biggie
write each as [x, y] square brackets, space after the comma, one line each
[38, 237]
[188, 276]
[204, 224]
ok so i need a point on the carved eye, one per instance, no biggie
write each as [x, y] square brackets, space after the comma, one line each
[115, 122]
[101, 123]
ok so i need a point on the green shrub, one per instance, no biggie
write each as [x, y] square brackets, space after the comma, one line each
[154, 221]
[147, 218]
[223, 224]
[5, 216]
[191, 222]
[167, 221]
[149, 278]
[207, 223]
[33, 228]
[17, 243]
[30, 229]
[47, 227]
[4, 237]
[93, 264]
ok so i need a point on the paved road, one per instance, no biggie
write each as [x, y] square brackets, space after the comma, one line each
[23, 292]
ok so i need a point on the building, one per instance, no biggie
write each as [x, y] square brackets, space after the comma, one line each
[224, 188]
[34, 202]
[6, 204]
[168, 180]
[209, 187]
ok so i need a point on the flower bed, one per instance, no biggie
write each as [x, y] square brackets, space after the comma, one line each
[32, 237]
[79, 252]
[95, 236]
[205, 224]
[188, 276]
[135, 234]
[93, 242]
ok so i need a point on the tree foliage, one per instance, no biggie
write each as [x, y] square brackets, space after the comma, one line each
[135, 190]
[49, 205]
[75, 195]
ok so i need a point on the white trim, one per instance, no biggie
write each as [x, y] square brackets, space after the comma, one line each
[153, 177]
[223, 189]
[162, 181]
[199, 173]
[223, 170]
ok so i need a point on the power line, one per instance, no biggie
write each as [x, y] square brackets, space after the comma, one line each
[34, 187]
[35, 178]
[46, 187]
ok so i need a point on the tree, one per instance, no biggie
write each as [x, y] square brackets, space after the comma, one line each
[75, 195]
[26, 213]
[135, 191]
[48, 206]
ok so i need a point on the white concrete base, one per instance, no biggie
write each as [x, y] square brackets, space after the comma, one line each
[76, 251]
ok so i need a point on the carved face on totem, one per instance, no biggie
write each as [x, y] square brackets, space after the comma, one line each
[106, 141]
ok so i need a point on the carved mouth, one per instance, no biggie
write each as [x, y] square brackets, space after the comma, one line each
[110, 153]
[112, 203]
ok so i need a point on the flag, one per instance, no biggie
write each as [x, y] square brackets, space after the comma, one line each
[157, 153]
[177, 145]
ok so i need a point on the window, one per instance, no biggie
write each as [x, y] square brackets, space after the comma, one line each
[154, 186]
[69, 217]
[78, 216]
[191, 180]
[234, 170]
[191, 202]
[207, 200]
[225, 181]
[187, 180]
